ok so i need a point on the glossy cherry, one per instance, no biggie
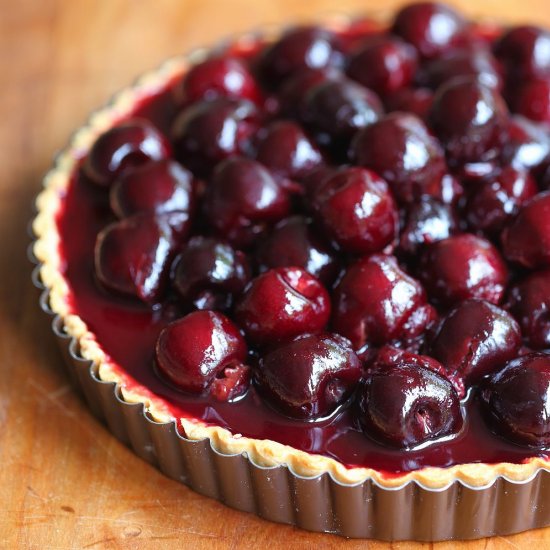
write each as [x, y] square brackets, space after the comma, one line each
[220, 76]
[356, 210]
[296, 242]
[517, 400]
[161, 186]
[204, 353]
[128, 144]
[298, 49]
[406, 404]
[525, 52]
[496, 201]
[529, 301]
[417, 101]
[383, 64]
[470, 120]
[400, 149]
[209, 273]
[475, 339]
[432, 28]
[287, 151]
[335, 109]
[309, 376]
[531, 99]
[133, 255]
[282, 303]
[527, 239]
[528, 143]
[376, 302]
[208, 132]
[242, 198]
[462, 267]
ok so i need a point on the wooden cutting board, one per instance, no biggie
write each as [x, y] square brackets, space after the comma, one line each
[65, 482]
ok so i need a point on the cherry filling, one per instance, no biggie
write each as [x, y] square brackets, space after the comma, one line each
[382, 313]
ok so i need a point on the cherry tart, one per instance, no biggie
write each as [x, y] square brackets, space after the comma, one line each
[335, 242]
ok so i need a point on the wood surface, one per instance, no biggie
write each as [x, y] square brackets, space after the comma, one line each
[65, 482]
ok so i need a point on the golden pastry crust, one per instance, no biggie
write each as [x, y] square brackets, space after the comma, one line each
[265, 453]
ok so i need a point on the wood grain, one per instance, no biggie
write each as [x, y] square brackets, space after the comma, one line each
[65, 482]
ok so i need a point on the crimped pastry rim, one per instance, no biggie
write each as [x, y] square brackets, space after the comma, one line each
[261, 453]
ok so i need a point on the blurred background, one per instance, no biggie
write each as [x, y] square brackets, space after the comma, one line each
[64, 481]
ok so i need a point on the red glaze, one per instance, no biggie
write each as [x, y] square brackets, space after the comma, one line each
[527, 239]
[432, 28]
[491, 205]
[130, 143]
[356, 210]
[400, 149]
[282, 303]
[475, 339]
[209, 274]
[384, 65]
[469, 119]
[287, 151]
[242, 198]
[529, 302]
[417, 101]
[195, 350]
[517, 400]
[133, 255]
[309, 376]
[376, 303]
[295, 241]
[161, 186]
[218, 77]
[208, 132]
[463, 267]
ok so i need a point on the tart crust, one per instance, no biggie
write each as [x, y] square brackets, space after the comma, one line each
[264, 453]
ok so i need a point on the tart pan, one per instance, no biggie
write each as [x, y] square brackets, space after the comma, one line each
[364, 510]
[410, 511]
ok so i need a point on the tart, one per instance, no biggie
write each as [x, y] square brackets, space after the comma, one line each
[326, 251]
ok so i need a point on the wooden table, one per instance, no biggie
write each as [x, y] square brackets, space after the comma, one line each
[65, 482]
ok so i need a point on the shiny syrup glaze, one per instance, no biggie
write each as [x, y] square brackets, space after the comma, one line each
[116, 322]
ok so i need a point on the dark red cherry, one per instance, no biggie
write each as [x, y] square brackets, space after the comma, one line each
[496, 201]
[476, 62]
[525, 52]
[218, 77]
[295, 242]
[203, 353]
[209, 273]
[242, 199]
[208, 132]
[469, 119]
[517, 400]
[356, 210]
[383, 64]
[400, 149]
[475, 339]
[298, 49]
[161, 186]
[528, 143]
[527, 239]
[287, 151]
[309, 376]
[376, 302]
[529, 302]
[125, 145]
[531, 99]
[463, 267]
[417, 101]
[431, 27]
[283, 303]
[427, 221]
[336, 109]
[133, 255]
[405, 404]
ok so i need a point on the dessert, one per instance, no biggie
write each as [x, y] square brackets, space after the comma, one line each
[327, 250]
